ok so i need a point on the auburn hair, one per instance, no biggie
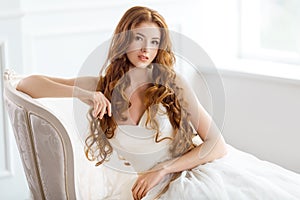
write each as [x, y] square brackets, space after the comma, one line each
[163, 90]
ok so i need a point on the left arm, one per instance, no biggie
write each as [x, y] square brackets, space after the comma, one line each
[213, 146]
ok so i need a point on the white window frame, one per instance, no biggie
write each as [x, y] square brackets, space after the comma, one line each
[250, 37]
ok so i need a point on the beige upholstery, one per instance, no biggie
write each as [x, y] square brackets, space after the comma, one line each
[44, 145]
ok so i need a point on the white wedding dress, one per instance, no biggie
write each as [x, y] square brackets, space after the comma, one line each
[238, 175]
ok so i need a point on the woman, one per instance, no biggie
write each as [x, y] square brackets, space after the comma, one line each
[143, 115]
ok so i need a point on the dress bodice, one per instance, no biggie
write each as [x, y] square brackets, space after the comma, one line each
[135, 148]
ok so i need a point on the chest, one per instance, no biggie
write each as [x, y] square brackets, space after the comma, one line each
[137, 109]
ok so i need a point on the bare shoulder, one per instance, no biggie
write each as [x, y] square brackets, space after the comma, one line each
[182, 82]
[187, 90]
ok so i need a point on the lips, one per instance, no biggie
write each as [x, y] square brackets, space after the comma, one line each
[143, 58]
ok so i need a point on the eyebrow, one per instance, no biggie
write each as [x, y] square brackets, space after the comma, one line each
[145, 36]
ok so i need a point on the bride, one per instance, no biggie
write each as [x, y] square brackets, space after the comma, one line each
[144, 120]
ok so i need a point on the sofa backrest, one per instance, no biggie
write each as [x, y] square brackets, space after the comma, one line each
[43, 143]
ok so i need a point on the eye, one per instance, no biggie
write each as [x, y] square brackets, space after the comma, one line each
[138, 38]
[155, 42]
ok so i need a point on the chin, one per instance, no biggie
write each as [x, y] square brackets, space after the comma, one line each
[142, 65]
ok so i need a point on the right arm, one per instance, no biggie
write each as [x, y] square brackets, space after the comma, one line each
[84, 88]
[38, 86]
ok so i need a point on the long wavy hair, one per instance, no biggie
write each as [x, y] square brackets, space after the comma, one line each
[163, 90]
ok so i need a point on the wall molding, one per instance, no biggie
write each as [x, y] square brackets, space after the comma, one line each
[66, 32]
[11, 14]
[8, 165]
[63, 7]
[32, 37]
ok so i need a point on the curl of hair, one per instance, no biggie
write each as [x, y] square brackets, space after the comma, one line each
[166, 92]
[97, 145]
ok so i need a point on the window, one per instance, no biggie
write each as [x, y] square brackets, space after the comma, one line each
[270, 30]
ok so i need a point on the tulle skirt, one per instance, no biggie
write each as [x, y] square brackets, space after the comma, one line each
[237, 175]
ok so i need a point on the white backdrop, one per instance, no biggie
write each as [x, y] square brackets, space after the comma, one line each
[55, 37]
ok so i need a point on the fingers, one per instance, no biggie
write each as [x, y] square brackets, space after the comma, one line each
[101, 109]
[143, 193]
[139, 190]
[101, 105]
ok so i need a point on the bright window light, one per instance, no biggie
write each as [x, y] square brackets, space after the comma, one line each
[270, 30]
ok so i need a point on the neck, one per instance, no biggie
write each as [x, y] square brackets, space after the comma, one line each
[139, 77]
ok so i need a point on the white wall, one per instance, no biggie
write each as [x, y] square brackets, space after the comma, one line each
[262, 117]
[55, 37]
[11, 172]
[261, 114]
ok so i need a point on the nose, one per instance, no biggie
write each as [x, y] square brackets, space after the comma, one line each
[145, 46]
[143, 49]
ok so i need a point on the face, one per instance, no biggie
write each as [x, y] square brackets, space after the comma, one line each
[144, 46]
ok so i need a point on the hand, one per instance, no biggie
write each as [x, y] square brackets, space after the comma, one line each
[101, 105]
[145, 182]
[96, 99]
